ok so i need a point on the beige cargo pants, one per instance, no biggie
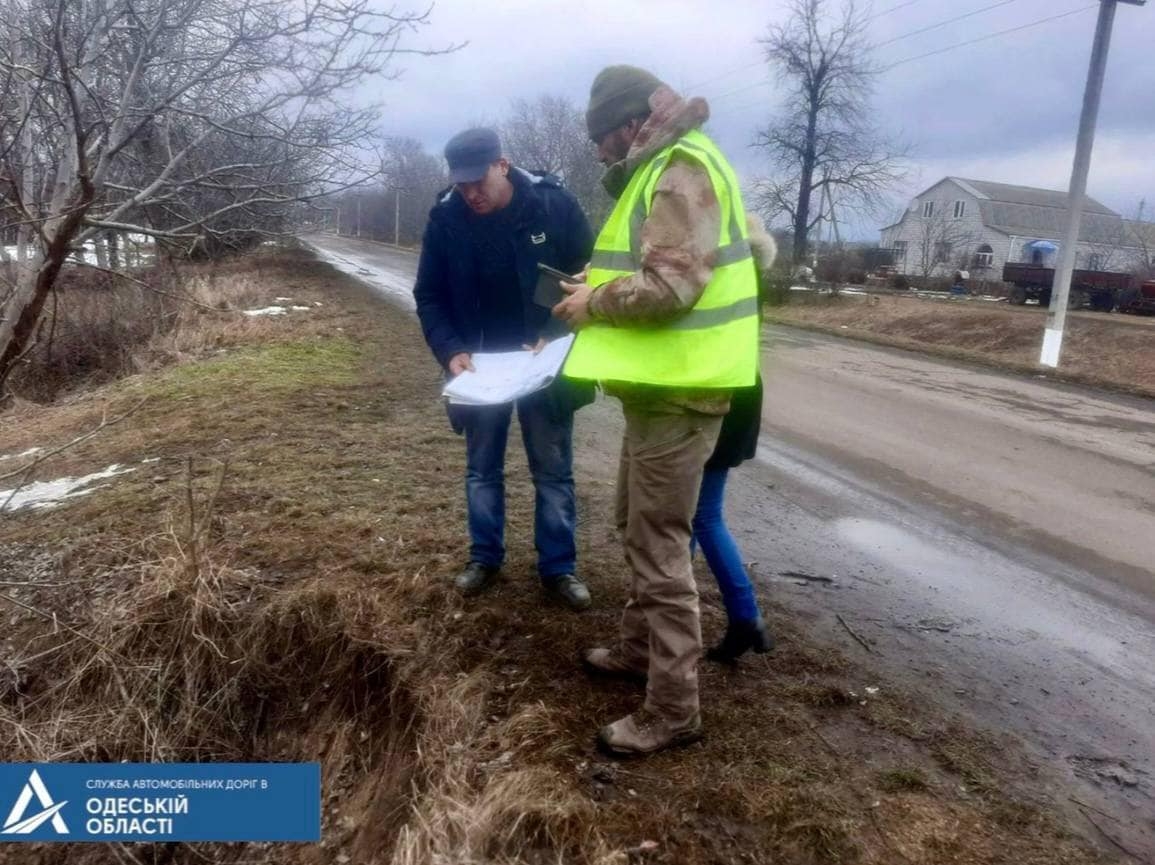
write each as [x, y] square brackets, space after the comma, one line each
[659, 476]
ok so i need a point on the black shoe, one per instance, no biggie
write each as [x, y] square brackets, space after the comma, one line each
[742, 637]
[569, 590]
[475, 578]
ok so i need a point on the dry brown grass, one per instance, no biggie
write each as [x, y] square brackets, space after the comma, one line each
[99, 327]
[303, 615]
[1112, 350]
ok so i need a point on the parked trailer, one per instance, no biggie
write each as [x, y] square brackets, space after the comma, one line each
[1100, 290]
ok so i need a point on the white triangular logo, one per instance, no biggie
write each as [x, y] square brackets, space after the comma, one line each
[18, 824]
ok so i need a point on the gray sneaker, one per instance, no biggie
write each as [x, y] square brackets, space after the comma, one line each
[568, 590]
[475, 579]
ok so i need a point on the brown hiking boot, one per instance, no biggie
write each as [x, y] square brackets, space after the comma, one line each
[644, 733]
[607, 662]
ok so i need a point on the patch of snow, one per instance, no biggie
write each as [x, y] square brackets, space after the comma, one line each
[276, 310]
[283, 299]
[28, 453]
[48, 494]
[151, 460]
[268, 310]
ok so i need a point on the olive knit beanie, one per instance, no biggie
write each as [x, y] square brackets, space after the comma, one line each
[618, 94]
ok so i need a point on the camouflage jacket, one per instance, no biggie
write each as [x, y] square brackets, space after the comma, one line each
[678, 243]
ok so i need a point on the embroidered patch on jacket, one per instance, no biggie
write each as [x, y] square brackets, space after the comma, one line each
[538, 239]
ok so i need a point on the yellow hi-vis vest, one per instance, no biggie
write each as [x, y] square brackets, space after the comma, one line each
[714, 344]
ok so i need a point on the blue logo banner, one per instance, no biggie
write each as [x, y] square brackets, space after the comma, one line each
[160, 802]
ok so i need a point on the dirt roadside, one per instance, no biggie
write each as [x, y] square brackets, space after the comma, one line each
[1114, 351]
[446, 731]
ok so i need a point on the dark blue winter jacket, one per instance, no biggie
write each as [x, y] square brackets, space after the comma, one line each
[550, 228]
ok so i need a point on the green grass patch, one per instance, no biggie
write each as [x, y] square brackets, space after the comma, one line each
[903, 781]
[268, 369]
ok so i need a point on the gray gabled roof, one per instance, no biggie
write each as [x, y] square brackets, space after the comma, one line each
[1006, 193]
[1026, 211]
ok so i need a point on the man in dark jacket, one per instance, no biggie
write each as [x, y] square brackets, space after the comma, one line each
[474, 292]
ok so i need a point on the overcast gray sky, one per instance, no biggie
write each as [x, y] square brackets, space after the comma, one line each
[1003, 110]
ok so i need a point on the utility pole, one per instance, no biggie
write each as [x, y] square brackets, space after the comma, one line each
[396, 215]
[397, 188]
[821, 226]
[1057, 315]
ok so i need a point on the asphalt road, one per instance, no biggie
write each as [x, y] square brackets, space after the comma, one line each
[992, 536]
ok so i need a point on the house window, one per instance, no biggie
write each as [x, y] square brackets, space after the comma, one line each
[899, 251]
[1094, 261]
[984, 257]
[960, 209]
[928, 209]
[942, 251]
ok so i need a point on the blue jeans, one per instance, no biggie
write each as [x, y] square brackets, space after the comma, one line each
[547, 433]
[722, 554]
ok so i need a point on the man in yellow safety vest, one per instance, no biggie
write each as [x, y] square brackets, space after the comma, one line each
[668, 321]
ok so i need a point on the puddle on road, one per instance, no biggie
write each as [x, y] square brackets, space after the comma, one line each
[1000, 597]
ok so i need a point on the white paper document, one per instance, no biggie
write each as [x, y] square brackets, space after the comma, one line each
[501, 377]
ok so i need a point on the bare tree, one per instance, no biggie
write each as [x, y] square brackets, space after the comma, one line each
[195, 122]
[942, 244]
[394, 206]
[823, 139]
[549, 135]
[1111, 247]
[413, 177]
[1141, 243]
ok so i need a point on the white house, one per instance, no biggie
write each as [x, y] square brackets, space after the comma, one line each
[979, 226]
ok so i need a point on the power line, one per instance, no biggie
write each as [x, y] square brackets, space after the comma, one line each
[692, 87]
[918, 32]
[744, 67]
[990, 36]
[936, 52]
[760, 83]
[893, 9]
[946, 23]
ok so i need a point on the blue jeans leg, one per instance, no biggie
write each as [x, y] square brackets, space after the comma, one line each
[548, 436]
[722, 553]
[486, 434]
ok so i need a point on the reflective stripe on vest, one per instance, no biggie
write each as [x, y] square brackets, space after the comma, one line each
[713, 345]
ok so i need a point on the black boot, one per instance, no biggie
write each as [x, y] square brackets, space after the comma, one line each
[741, 637]
[475, 579]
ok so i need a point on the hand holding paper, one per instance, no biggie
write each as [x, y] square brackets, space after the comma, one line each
[503, 377]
